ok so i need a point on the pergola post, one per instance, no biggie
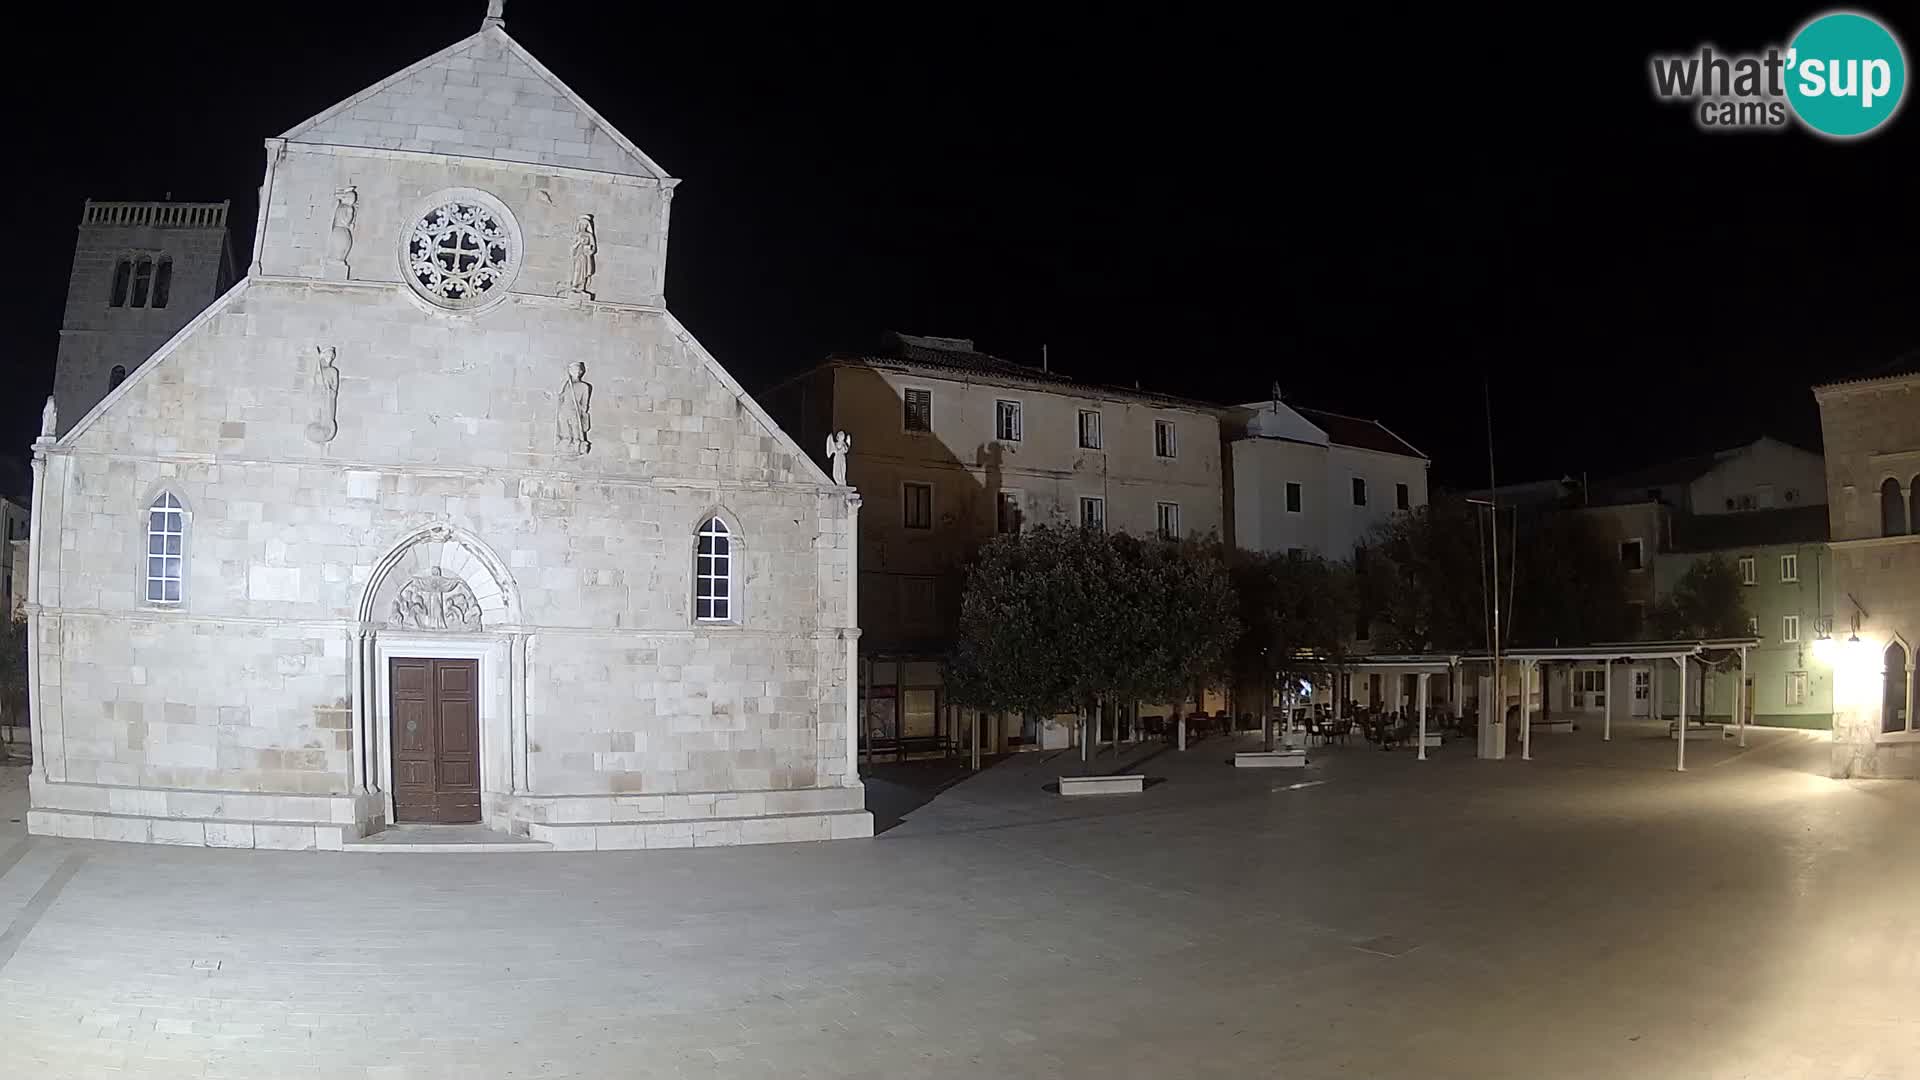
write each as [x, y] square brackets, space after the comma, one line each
[1606, 698]
[1681, 730]
[1422, 706]
[978, 716]
[1740, 699]
[1526, 720]
[1339, 695]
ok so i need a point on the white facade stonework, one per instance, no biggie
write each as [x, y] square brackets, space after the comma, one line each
[256, 710]
[1871, 428]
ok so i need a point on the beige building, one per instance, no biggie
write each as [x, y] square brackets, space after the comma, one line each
[439, 515]
[951, 446]
[1871, 426]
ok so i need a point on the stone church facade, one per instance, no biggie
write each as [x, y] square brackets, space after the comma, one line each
[439, 515]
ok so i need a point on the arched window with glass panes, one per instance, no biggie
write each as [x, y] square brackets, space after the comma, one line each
[714, 598]
[166, 549]
[141, 281]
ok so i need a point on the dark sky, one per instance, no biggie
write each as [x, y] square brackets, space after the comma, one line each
[1378, 210]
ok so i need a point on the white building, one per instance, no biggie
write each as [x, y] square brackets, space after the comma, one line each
[440, 515]
[1315, 482]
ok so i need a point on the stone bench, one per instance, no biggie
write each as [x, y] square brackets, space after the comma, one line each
[1126, 784]
[1271, 759]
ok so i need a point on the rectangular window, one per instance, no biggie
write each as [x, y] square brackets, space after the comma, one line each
[916, 501]
[1089, 429]
[1093, 512]
[1632, 555]
[917, 414]
[1359, 491]
[1789, 568]
[1790, 628]
[1293, 498]
[1748, 575]
[917, 601]
[1163, 444]
[1006, 421]
[1168, 520]
[1402, 499]
[1796, 688]
[1011, 515]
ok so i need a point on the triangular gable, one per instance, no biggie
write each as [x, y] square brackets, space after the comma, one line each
[152, 362]
[809, 468]
[485, 97]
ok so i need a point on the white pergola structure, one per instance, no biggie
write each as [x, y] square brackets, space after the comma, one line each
[1606, 654]
[1425, 666]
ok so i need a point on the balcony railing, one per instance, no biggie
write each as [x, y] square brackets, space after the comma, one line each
[165, 215]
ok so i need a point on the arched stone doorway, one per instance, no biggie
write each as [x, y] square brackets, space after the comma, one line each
[440, 680]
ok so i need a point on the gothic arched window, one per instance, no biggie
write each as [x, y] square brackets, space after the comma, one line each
[1893, 509]
[1893, 700]
[142, 282]
[122, 276]
[166, 549]
[713, 592]
[162, 282]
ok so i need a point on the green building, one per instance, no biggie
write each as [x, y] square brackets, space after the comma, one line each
[1784, 563]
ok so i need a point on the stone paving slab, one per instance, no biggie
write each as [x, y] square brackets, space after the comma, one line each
[1583, 915]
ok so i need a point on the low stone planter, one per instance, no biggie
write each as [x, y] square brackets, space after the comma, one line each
[1434, 738]
[1554, 727]
[1128, 784]
[1718, 731]
[1271, 759]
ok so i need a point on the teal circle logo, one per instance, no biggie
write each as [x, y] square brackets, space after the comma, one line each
[1845, 74]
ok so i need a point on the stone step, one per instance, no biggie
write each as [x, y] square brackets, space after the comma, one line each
[189, 832]
[444, 839]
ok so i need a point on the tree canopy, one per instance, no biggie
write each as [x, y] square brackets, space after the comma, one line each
[1294, 615]
[1707, 602]
[1423, 579]
[1058, 617]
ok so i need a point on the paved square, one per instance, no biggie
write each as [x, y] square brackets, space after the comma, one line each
[1587, 914]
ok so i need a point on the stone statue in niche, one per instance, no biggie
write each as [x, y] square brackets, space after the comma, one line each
[340, 241]
[434, 601]
[326, 385]
[839, 445]
[49, 419]
[585, 247]
[575, 419]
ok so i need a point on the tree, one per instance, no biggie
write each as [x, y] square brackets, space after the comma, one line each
[1422, 579]
[1426, 574]
[1294, 618]
[1707, 602]
[1060, 619]
[1569, 586]
[13, 674]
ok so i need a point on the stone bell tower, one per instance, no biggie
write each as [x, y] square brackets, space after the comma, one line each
[141, 271]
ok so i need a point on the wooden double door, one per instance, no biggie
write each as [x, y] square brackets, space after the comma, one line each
[435, 713]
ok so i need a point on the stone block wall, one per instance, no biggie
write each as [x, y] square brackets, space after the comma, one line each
[246, 684]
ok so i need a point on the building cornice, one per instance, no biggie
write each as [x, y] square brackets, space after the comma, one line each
[1874, 542]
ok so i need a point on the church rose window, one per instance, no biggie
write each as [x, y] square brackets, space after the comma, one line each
[461, 252]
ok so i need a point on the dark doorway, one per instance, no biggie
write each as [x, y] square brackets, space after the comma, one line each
[436, 740]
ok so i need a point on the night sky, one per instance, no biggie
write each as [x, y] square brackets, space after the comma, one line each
[1378, 213]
